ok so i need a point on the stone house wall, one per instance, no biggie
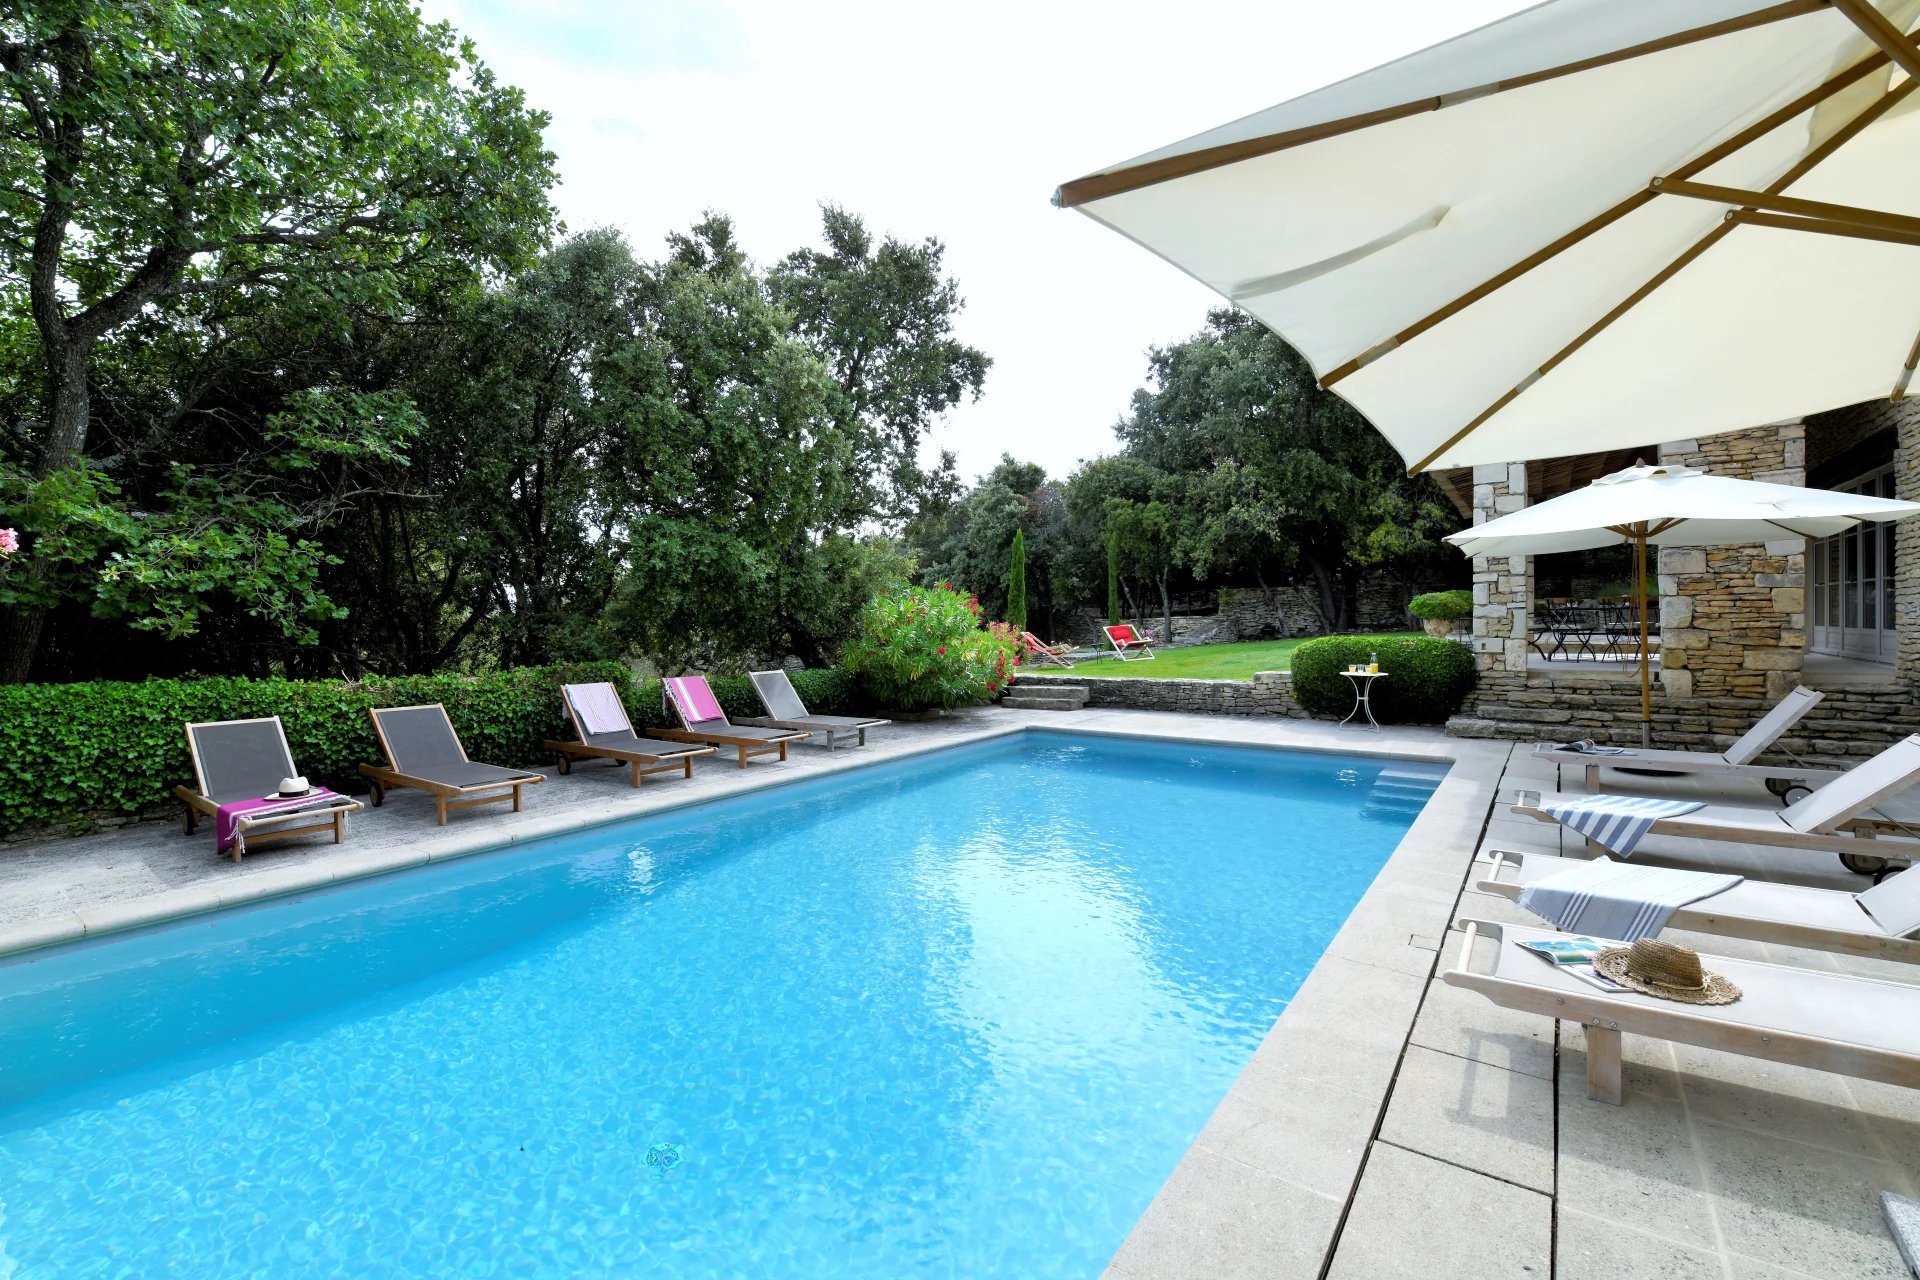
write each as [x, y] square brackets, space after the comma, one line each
[1733, 619]
[1502, 585]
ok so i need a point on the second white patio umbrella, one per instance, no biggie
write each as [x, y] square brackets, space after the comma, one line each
[1672, 507]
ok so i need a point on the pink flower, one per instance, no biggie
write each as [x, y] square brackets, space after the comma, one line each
[941, 649]
[9, 542]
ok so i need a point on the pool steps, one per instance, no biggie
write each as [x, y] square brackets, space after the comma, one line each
[1403, 791]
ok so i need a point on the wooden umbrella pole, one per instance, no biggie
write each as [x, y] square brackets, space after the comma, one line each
[1646, 679]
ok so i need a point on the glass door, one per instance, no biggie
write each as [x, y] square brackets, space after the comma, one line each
[1851, 583]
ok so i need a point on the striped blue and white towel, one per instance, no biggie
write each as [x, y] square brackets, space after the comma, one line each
[1607, 899]
[1616, 822]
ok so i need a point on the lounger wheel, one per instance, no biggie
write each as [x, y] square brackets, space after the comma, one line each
[1794, 792]
[563, 764]
[1864, 864]
[1780, 786]
[379, 793]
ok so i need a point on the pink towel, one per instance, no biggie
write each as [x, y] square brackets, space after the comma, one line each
[226, 817]
[695, 700]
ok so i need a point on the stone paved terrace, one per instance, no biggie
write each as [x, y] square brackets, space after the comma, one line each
[1389, 1125]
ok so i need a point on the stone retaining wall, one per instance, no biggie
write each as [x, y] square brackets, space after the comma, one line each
[1269, 693]
[1849, 724]
[1251, 613]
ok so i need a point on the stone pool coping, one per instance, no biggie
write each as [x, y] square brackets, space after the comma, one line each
[442, 845]
[1265, 1188]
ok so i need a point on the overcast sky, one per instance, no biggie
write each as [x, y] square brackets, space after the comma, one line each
[955, 121]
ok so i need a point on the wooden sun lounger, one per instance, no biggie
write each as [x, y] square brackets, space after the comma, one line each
[786, 711]
[747, 739]
[1043, 654]
[1128, 645]
[1852, 1026]
[1788, 914]
[619, 747]
[718, 731]
[1736, 760]
[247, 760]
[424, 754]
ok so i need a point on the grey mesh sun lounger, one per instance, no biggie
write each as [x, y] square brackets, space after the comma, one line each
[1853, 1026]
[1737, 759]
[1836, 819]
[1884, 921]
[424, 753]
[600, 704]
[702, 720]
[247, 760]
[786, 711]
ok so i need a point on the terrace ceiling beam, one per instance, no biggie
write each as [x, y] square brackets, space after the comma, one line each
[1099, 186]
[1787, 204]
[1898, 45]
[1705, 160]
[1839, 138]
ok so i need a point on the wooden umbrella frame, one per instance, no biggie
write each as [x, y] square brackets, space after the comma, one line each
[1637, 534]
[1767, 208]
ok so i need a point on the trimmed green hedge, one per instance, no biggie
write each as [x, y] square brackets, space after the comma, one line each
[68, 751]
[1428, 678]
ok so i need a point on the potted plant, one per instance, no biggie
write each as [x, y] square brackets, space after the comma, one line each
[1439, 610]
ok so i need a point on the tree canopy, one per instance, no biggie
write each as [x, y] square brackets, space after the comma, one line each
[1233, 468]
[165, 168]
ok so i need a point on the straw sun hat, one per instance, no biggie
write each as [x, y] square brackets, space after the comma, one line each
[1665, 970]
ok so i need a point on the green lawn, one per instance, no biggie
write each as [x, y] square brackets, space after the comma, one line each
[1202, 662]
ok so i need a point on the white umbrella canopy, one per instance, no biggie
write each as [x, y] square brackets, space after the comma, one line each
[1674, 507]
[1594, 224]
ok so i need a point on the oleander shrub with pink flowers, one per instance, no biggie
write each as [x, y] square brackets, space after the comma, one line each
[922, 647]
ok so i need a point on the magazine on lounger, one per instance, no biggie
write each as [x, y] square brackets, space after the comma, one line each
[1575, 957]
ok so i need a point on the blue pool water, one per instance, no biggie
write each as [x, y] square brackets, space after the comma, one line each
[956, 1017]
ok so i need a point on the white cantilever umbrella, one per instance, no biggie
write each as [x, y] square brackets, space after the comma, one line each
[1593, 225]
[1672, 507]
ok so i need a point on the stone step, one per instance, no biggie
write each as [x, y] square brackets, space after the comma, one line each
[1075, 693]
[1034, 702]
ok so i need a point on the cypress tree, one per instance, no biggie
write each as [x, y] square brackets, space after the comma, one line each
[1017, 583]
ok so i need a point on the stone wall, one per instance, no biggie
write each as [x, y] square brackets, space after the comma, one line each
[1269, 693]
[1502, 585]
[1251, 613]
[1733, 619]
[1850, 724]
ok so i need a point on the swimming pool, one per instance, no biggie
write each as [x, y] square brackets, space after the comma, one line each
[953, 1016]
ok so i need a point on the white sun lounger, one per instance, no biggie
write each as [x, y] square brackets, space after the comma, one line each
[1883, 922]
[1835, 818]
[1736, 759]
[1852, 1026]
